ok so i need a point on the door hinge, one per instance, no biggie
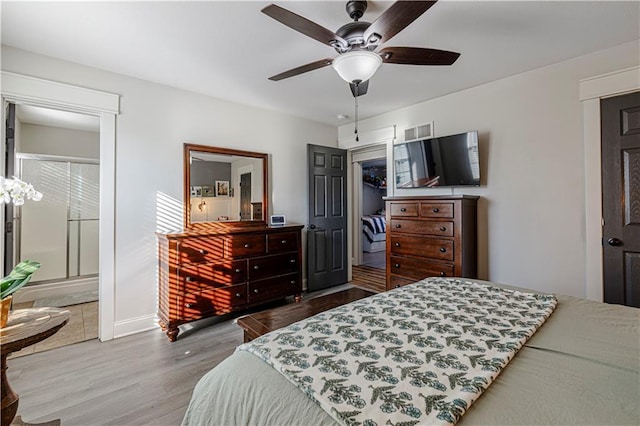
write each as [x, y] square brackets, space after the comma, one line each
[8, 227]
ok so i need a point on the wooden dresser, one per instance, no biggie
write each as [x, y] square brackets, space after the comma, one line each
[225, 268]
[430, 236]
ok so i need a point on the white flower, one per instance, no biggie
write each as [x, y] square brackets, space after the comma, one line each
[17, 191]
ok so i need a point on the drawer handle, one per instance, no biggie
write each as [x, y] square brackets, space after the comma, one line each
[442, 274]
[403, 209]
[190, 305]
[397, 244]
[255, 290]
[292, 261]
[246, 245]
[256, 267]
[398, 226]
[238, 271]
[189, 279]
[397, 265]
[436, 210]
[203, 251]
[443, 228]
[238, 295]
[293, 281]
[443, 250]
[283, 242]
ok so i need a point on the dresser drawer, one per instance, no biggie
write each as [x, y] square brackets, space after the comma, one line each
[439, 228]
[246, 245]
[404, 209]
[418, 268]
[436, 209]
[280, 243]
[273, 288]
[424, 247]
[218, 274]
[399, 282]
[268, 266]
[220, 300]
[199, 250]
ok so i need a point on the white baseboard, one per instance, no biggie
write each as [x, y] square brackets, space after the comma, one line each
[55, 289]
[134, 325]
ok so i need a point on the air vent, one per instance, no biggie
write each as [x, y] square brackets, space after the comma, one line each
[423, 131]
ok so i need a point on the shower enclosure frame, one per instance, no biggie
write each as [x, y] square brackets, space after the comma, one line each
[20, 157]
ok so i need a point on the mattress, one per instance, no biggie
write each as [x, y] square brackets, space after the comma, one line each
[581, 367]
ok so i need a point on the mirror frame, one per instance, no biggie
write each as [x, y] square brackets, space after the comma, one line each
[188, 148]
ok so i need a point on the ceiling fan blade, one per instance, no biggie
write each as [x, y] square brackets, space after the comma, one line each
[359, 89]
[417, 56]
[302, 69]
[393, 20]
[304, 26]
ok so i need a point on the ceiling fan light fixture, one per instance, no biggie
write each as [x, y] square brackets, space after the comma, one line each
[358, 65]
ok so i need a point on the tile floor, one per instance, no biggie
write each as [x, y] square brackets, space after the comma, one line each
[82, 325]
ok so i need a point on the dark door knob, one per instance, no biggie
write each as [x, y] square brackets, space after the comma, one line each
[312, 227]
[614, 242]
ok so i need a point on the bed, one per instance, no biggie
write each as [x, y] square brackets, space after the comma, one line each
[580, 367]
[374, 230]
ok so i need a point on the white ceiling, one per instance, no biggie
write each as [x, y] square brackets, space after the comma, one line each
[229, 49]
[52, 117]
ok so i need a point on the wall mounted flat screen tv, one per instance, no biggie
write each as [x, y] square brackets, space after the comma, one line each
[437, 162]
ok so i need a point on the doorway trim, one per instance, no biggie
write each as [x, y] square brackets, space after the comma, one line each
[21, 89]
[385, 136]
[591, 91]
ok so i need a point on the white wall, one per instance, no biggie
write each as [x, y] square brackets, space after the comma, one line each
[38, 139]
[154, 123]
[532, 210]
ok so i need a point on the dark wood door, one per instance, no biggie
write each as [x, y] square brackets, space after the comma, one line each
[621, 198]
[327, 227]
[9, 171]
[245, 196]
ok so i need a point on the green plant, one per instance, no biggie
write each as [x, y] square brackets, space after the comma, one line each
[18, 277]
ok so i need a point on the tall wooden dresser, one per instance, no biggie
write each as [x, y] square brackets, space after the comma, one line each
[430, 236]
[224, 268]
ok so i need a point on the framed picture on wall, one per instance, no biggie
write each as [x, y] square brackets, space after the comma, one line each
[208, 191]
[222, 188]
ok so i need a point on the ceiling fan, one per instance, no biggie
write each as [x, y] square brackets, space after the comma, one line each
[358, 42]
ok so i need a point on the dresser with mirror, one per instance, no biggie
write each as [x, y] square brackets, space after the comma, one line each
[227, 258]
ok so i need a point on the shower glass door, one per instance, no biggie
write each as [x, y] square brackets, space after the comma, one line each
[61, 230]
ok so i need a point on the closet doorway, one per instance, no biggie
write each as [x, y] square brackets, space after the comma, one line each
[58, 153]
[374, 188]
[369, 225]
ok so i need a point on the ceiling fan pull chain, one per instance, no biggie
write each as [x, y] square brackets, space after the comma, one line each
[356, 114]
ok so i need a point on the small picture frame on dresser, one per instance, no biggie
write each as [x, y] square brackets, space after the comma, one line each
[196, 191]
[277, 220]
[208, 191]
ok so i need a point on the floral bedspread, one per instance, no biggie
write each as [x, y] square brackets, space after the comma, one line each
[420, 354]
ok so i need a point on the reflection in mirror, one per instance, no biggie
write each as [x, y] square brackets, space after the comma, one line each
[223, 185]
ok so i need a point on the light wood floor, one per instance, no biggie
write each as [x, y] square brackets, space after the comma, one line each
[141, 379]
[369, 278]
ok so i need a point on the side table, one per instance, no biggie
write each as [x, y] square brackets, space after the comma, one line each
[24, 328]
